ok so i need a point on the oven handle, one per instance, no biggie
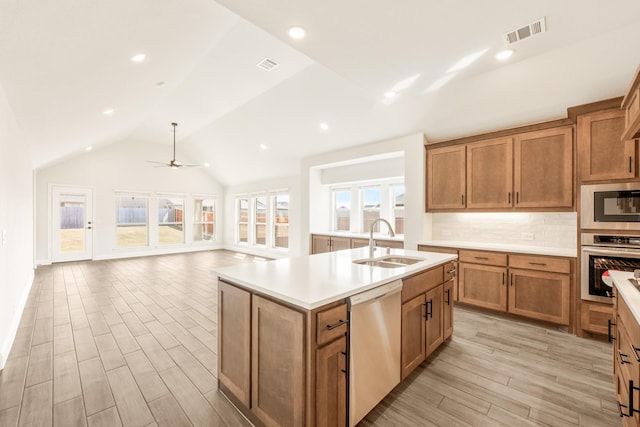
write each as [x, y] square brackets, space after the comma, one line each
[618, 251]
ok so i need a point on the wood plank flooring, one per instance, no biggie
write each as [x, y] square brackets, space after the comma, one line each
[132, 342]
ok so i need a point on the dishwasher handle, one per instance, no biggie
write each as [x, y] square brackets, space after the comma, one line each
[375, 293]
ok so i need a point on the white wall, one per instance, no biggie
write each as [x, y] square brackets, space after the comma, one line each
[292, 184]
[314, 208]
[16, 219]
[121, 167]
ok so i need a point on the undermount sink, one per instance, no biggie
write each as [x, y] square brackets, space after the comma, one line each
[392, 261]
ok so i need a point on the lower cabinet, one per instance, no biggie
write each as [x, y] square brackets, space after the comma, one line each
[331, 384]
[482, 285]
[424, 316]
[595, 317]
[539, 294]
[274, 367]
[277, 363]
[322, 243]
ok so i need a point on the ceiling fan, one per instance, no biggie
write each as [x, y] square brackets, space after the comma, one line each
[173, 164]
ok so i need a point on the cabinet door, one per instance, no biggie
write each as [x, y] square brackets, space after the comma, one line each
[359, 243]
[447, 308]
[540, 295]
[543, 173]
[482, 285]
[413, 334]
[339, 243]
[446, 178]
[490, 173]
[434, 319]
[331, 384]
[595, 317]
[234, 340]
[320, 244]
[602, 152]
[277, 363]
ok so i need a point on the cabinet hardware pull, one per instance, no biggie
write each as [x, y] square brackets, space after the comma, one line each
[511, 280]
[344, 353]
[429, 305]
[622, 414]
[343, 370]
[629, 164]
[609, 325]
[482, 258]
[335, 325]
[542, 264]
[451, 271]
[448, 297]
[503, 278]
[509, 197]
[632, 388]
[621, 357]
[517, 197]
[462, 197]
[635, 351]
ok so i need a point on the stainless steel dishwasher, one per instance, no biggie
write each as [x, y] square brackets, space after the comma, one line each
[374, 347]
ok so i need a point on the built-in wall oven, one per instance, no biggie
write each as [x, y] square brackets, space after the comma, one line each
[601, 253]
[610, 206]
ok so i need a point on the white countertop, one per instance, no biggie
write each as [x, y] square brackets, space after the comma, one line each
[503, 247]
[312, 281]
[629, 293]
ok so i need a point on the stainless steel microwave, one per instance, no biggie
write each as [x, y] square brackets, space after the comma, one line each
[610, 206]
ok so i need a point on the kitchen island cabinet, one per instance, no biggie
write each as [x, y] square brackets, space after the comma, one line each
[299, 332]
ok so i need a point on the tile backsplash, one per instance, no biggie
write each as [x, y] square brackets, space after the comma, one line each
[548, 229]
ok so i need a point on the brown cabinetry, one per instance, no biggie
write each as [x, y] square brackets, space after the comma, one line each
[603, 154]
[447, 308]
[331, 384]
[543, 169]
[361, 243]
[424, 327]
[625, 333]
[594, 317]
[324, 243]
[522, 171]
[446, 177]
[631, 107]
[483, 285]
[489, 173]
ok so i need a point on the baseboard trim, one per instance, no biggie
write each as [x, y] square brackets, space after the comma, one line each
[17, 316]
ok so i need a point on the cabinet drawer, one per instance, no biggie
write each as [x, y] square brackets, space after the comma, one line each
[438, 249]
[449, 270]
[420, 283]
[331, 324]
[483, 257]
[529, 262]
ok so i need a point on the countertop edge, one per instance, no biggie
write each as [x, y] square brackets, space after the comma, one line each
[628, 292]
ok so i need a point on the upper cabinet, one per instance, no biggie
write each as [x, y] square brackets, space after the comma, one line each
[631, 106]
[446, 177]
[489, 173]
[524, 171]
[543, 168]
[603, 153]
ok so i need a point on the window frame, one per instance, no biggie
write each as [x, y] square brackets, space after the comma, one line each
[273, 223]
[197, 214]
[159, 224]
[123, 194]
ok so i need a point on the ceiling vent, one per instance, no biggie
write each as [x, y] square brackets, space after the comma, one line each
[267, 64]
[527, 31]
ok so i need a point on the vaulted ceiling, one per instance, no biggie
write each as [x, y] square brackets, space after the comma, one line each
[63, 63]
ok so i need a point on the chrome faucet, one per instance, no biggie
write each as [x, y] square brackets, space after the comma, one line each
[391, 233]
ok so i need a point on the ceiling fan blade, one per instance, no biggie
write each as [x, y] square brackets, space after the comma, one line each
[157, 163]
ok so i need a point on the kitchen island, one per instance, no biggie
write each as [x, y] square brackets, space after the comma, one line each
[283, 328]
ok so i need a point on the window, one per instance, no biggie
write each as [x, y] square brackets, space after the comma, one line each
[280, 220]
[370, 204]
[342, 210]
[132, 220]
[204, 215]
[397, 199]
[170, 220]
[260, 220]
[242, 219]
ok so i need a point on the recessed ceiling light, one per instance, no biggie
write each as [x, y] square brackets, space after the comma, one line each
[502, 55]
[467, 60]
[139, 57]
[89, 148]
[390, 94]
[263, 147]
[324, 126]
[206, 165]
[297, 33]
[108, 112]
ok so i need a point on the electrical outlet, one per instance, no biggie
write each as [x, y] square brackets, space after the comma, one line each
[527, 236]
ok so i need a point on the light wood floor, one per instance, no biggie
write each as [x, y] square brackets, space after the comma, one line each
[133, 342]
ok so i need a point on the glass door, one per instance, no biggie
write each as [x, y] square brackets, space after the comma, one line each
[72, 224]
